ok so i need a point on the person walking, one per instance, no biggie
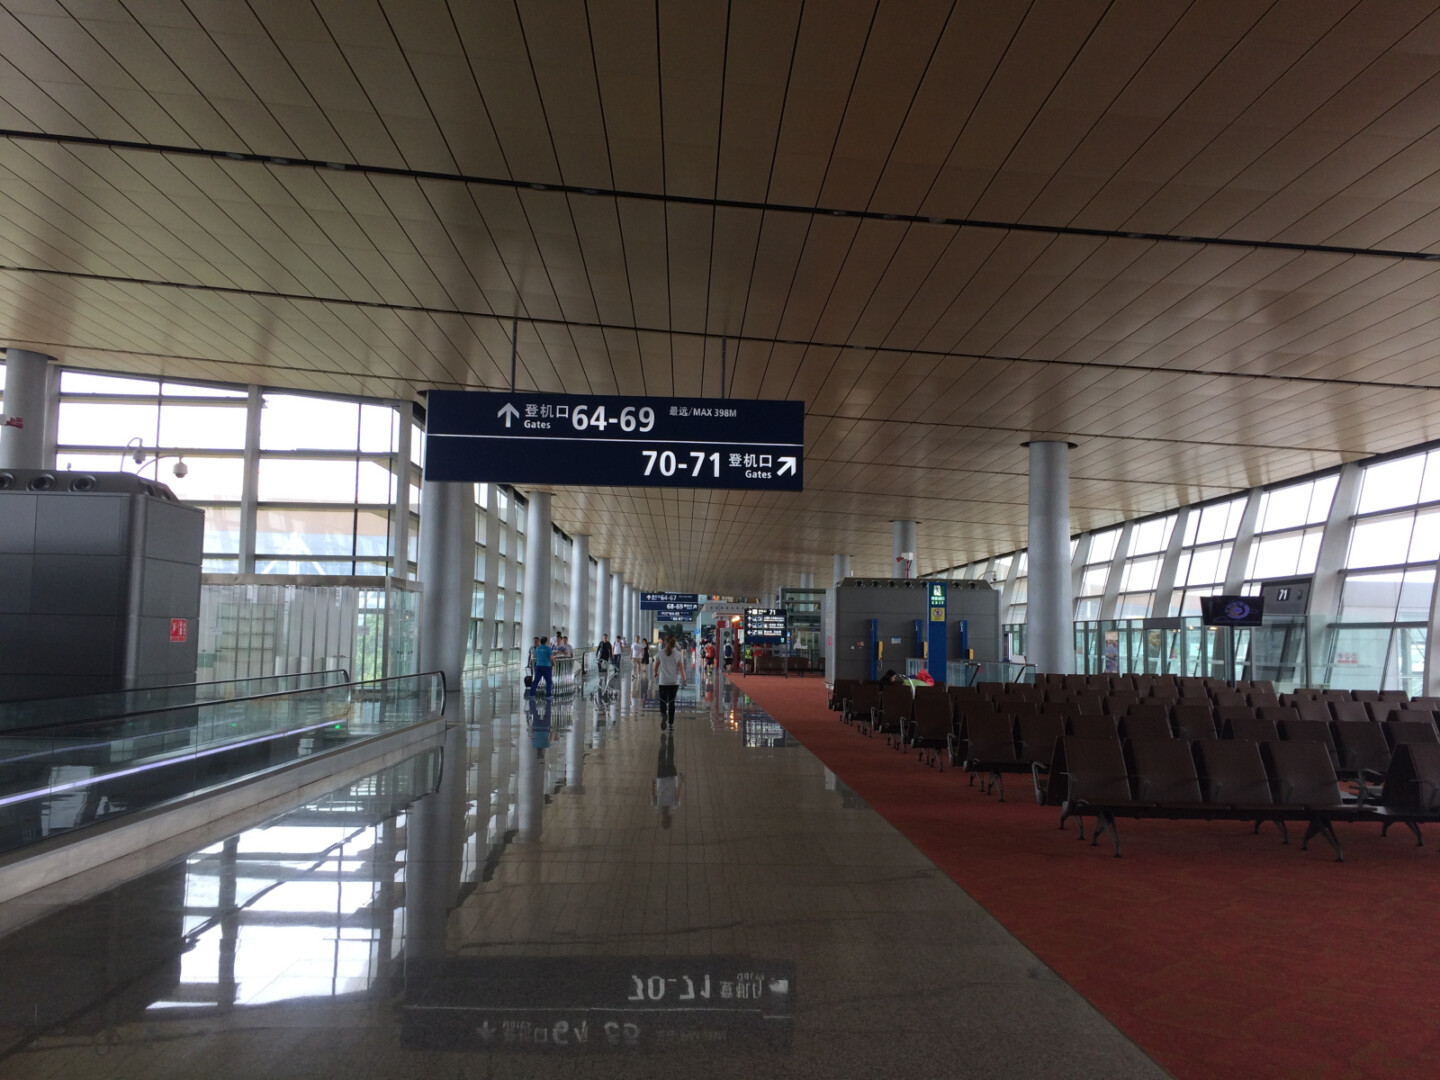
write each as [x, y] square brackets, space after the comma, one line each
[671, 675]
[543, 668]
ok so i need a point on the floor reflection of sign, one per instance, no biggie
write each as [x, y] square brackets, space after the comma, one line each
[760, 729]
[580, 1005]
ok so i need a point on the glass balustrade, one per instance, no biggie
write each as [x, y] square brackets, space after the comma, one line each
[64, 777]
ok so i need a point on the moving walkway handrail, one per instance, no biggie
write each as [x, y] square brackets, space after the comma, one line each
[110, 704]
[82, 777]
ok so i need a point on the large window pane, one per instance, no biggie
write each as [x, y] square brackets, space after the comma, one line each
[1274, 557]
[202, 426]
[84, 423]
[208, 480]
[80, 382]
[379, 429]
[222, 530]
[1134, 605]
[1391, 483]
[377, 483]
[1151, 536]
[372, 534]
[1092, 581]
[308, 423]
[1140, 574]
[1102, 546]
[1425, 537]
[1208, 565]
[1370, 597]
[1415, 596]
[173, 389]
[305, 480]
[304, 536]
[1380, 541]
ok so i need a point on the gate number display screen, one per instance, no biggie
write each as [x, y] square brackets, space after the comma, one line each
[533, 438]
[765, 624]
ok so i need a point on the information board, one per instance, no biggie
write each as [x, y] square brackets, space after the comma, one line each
[677, 615]
[534, 438]
[765, 625]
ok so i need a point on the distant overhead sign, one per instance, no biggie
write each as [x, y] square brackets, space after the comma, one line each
[655, 601]
[677, 615]
[532, 438]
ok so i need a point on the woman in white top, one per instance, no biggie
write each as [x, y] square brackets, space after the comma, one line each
[669, 669]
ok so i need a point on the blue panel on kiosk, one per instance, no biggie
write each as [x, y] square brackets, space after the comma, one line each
[936, 650]
[874, 649]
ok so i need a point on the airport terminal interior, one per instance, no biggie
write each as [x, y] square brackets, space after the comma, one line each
[1021, 413]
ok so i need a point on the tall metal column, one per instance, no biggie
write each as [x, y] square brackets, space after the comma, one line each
[22, 430]
[400, 527]
[902, 544]
[807, 579]
[539, 571]
[841, 568]
[602, 601]
[578, 628]
[447, 571]
[617, 605]
[627, 611]
[1050, 605]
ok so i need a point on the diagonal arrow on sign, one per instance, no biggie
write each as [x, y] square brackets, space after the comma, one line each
[509, 412]
[787, 465]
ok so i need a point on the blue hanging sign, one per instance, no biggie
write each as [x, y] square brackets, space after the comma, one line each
[658, 601]
[568, 439]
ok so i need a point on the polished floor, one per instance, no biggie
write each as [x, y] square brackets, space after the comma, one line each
[560, 890]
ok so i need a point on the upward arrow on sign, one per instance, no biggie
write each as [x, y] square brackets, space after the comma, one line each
[508, 412]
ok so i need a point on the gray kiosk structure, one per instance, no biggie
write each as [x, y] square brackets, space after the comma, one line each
[872, 624]
[99, 584]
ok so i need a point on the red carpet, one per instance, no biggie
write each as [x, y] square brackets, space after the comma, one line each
[1221, 953]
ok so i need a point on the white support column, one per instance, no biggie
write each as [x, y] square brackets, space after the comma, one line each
[841, 569]
[447, 570]
[1049, 603]
[617, 605]
[250, 481]
[1165, 585]
[23, 429]
[903, 535]
[603, 606]
[539, 573]
[807, 579]
[578, 628]
[1077, 565]
[627, 611]
[1111, 599]
[1329, 578]
[52, 417]
[1244, 540]
[400, 526]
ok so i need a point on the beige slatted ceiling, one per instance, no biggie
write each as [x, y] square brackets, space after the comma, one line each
[926, 353]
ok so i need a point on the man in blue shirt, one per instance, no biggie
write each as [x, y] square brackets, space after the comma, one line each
[542, 668]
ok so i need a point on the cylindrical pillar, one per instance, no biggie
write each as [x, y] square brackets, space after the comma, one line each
[1049, 605]
[842, 568]
[602, 601]
[902, 544]
[617, 605]
[435, 843]
[539, 573]
[579, 629]
[22, 430]
[627, 612]
[807, 579]
[447, 571]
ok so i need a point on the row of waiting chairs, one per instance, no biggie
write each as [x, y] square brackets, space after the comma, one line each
[1240, 780]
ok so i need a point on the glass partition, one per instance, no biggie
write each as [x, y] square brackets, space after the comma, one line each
[54, 780]
[25, 714]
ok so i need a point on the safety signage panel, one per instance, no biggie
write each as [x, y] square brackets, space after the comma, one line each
[179, 631]
[534, 438]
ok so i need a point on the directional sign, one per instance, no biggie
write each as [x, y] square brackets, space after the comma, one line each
[677, 615]
[765, 625]
[533, 438]
[654, 601]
